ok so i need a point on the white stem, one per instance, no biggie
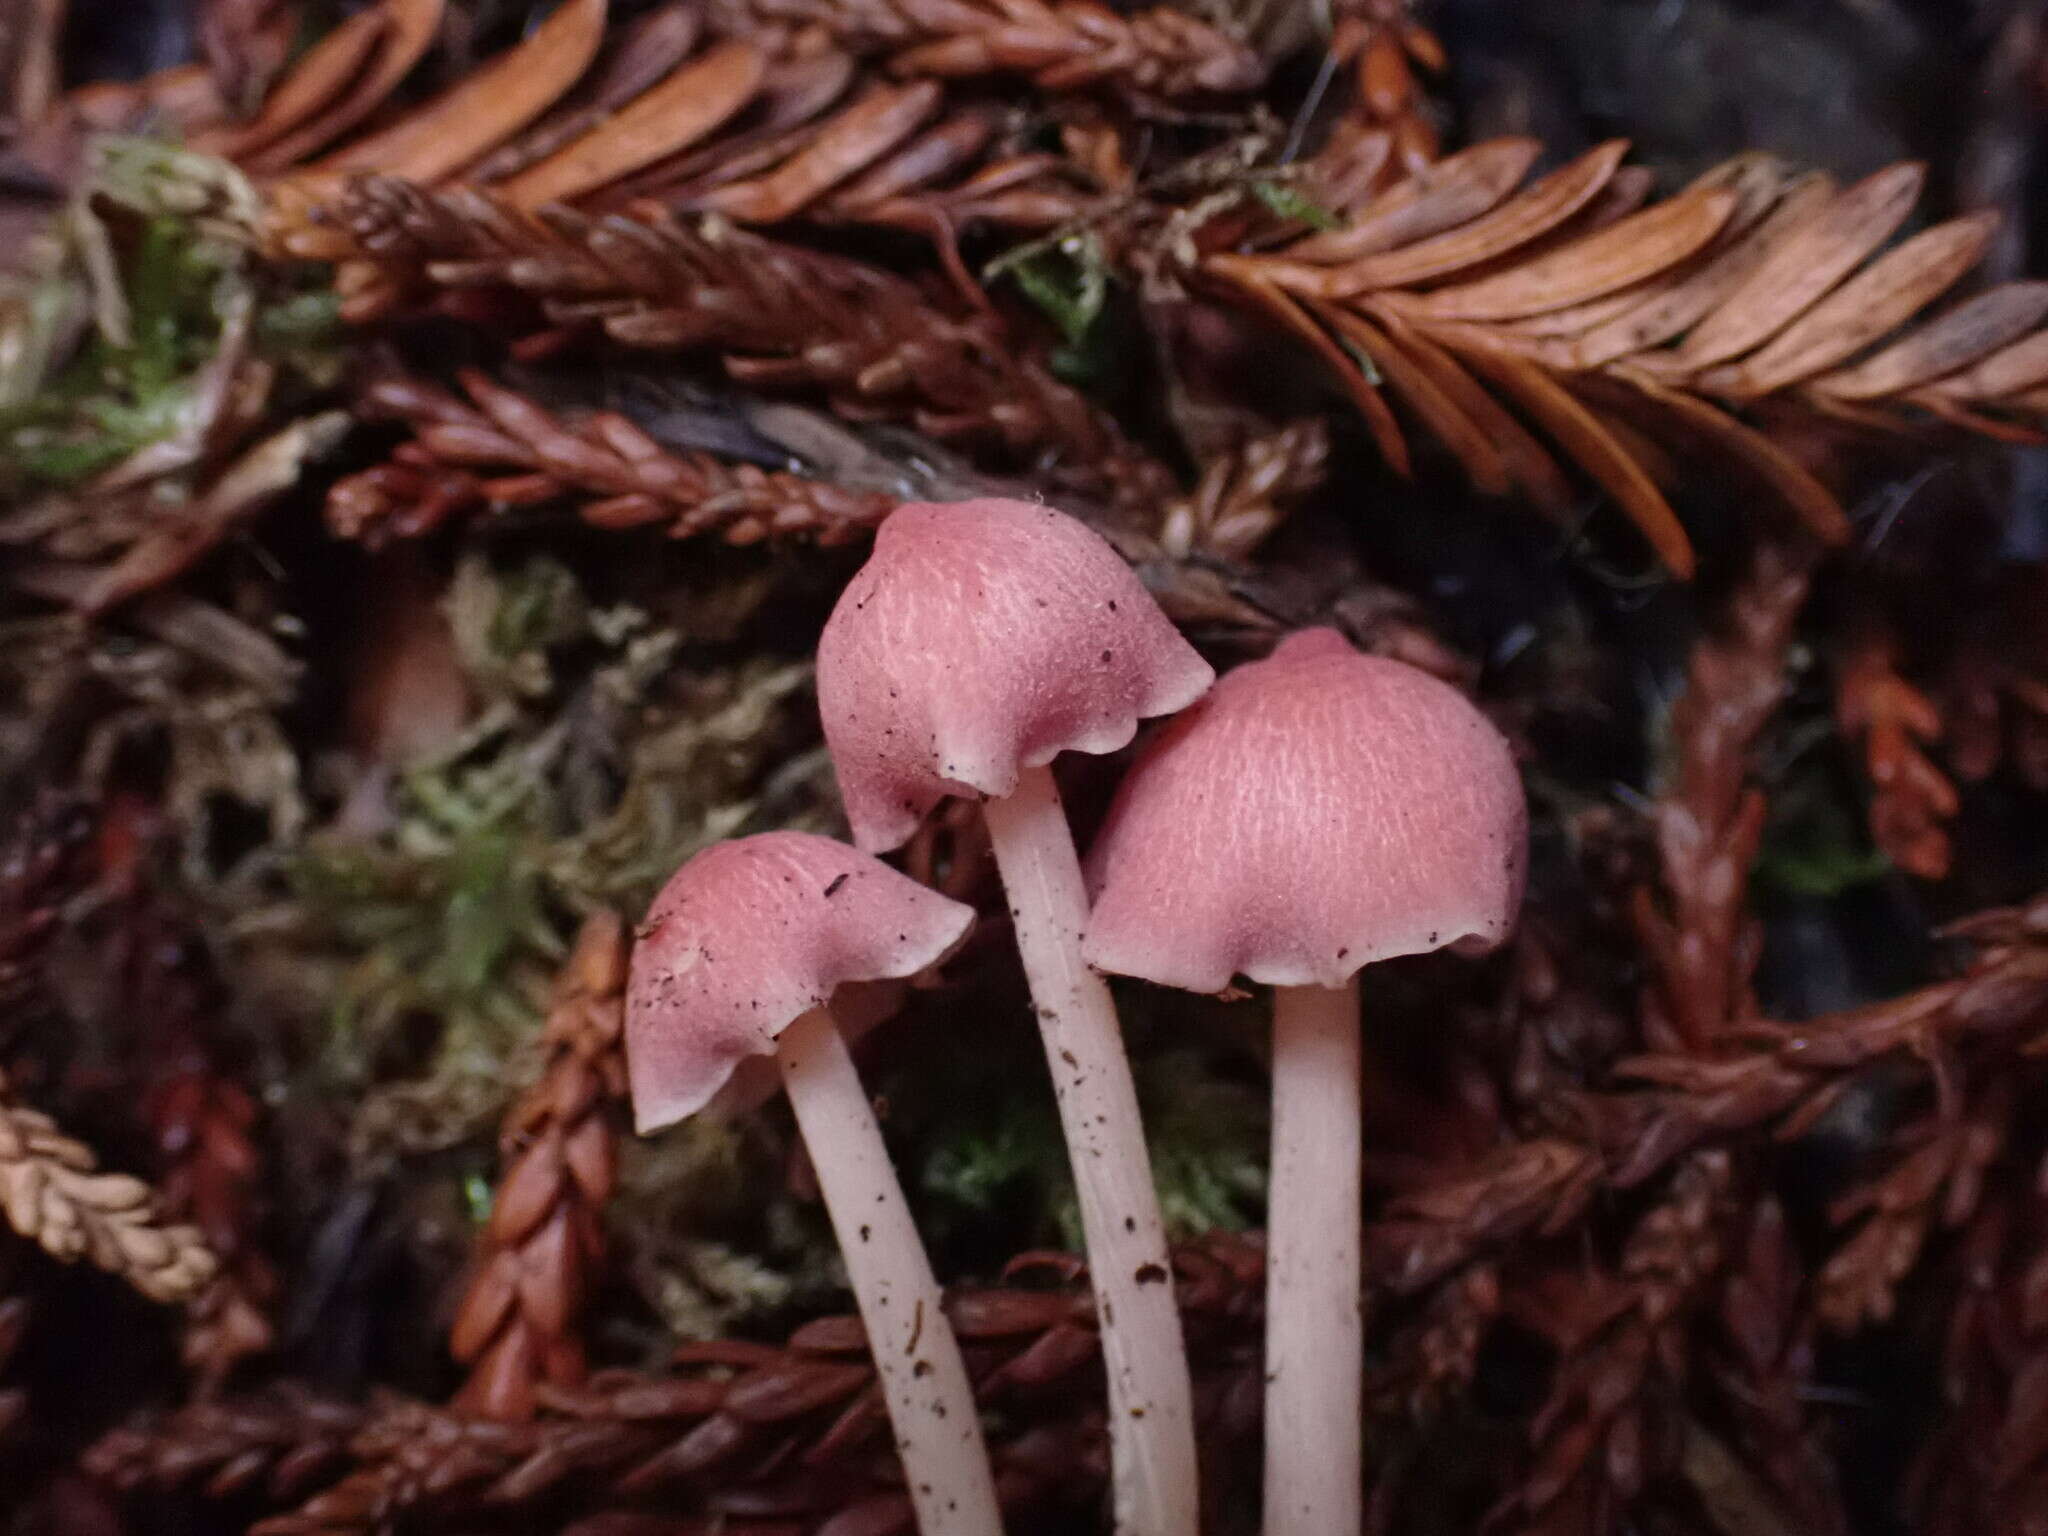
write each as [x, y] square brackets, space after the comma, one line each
[1151, 1411]
[1315, 1349]
[924, 1380]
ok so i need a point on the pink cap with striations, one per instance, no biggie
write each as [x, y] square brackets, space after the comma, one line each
[1320, 810]
[750, 935]
[980, 638]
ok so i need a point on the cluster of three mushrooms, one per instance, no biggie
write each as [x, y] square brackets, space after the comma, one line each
[1258, 836]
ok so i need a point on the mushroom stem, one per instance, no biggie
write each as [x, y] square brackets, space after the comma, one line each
[1315, 1354]
[1150, 1402]
[924, 1380]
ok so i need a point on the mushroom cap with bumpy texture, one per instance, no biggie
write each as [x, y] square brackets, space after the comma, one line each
[983, 637]
[1320, 810]
[750, 935]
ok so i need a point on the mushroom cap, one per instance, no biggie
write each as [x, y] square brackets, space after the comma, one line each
[750, 935]
[983, 637]
[1320, 810]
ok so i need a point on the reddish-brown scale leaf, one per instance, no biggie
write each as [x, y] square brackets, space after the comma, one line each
[1248, 274]
[484, 1309]
[789, 1387]
[1005, 1314]
[1529, 463]
[647, 53]
[526, 1193]
[629, 511]
[1578, 318]
[501, 1387]
[1997, 428]
[849, 143]
[694, 101]
[488, 107]
[676, 1398]
[1973, 329]
[1886, 294]
[1384, 78]
[1756, 180]
[1407, 379]
[410, 27]
[1523, 218]
[2010, 371]
[830, 1336]
[1806, 266]
[592, 1157]
[1809, 500]
[793, 91]
[1655, 458]
[952, 145]
[549, 1275]
[316, 80]
[1424, 47]
[1669, 312]
[1452, 192]
[1593, 448]
[1054, 1355]
[1348, 170]
[1625, 252]
[1625, 194]
[864, 1416]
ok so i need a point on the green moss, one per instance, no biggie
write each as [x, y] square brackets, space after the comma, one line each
[156, 249]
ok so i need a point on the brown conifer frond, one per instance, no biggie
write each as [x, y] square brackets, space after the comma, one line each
[1593, 320]
[335, 86]
[499, 448]
[780, 316]
[206, 1120]
[1709, 819]
[1384, 45]
[53, 1194]
[1935, 1182]
[1241, 497]
[1984, 1464]
[734, 1428]
[282, 1443]
[517, 1324]
[1790, 1074]
[1911, 800]
[1761, 1372]
[1059, 45]
[571, 113]
[51, 1191]
[1611, 1425]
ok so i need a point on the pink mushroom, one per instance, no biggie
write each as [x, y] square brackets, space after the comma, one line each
[1320, 810]
[741, 954]
[981, 640]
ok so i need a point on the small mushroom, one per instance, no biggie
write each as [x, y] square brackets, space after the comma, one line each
[1320, 810]
[740, 955]
[981, 640]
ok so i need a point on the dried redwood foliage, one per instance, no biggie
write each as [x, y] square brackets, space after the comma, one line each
[1912, 800]
[1649, 1251]
[500, 449]
[53, 1193]
[1159, 51]
[735, 1430]
[1700, 938]
[516, 1327]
